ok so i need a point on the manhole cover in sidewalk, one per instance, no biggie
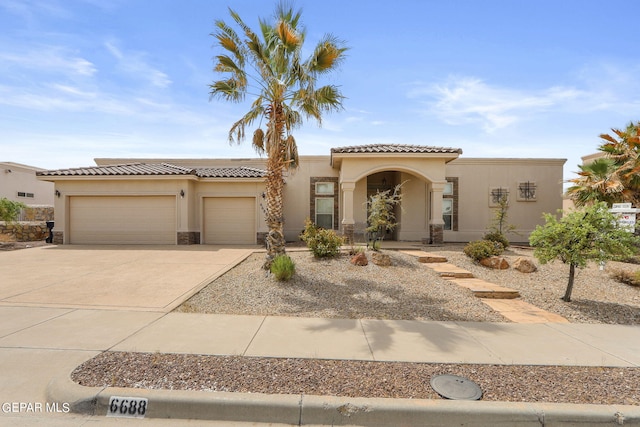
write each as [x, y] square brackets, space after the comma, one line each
[455, 387]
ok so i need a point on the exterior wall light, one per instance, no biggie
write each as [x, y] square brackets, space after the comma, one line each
[58, 193]
[182, 194]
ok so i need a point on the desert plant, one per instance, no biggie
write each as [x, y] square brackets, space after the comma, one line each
[500, 222]
[627, 277]
[496, 236]
[283, 268]
[322, 243]
[481, 249]
[381, 217]
[356, 249]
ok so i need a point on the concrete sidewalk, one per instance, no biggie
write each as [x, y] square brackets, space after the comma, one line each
[43, 344]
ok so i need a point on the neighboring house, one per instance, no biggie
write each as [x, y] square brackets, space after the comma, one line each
[220, 201]
[19, 183]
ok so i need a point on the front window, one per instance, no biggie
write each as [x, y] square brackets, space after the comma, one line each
[324, 212]
[447, 213]
[325, 188]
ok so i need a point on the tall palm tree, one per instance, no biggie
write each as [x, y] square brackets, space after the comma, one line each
[269, 68]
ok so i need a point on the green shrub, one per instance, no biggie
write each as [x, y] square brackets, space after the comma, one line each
[283, 267]
[496, 236]
[481, 249]
[322, 243]
[627, 277]
[9, 210]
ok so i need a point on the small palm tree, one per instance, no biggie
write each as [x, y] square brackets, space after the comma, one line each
[625, 153]
[268, 67]
[615, 177]
[596, 182]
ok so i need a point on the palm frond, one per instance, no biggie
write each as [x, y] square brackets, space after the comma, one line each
[258, 140]
[328, 54]
[291, 152]
[230, 90]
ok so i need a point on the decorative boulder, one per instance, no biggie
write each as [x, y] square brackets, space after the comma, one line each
[383, 260]
[496, 262]
[359, 259]
[524, 265]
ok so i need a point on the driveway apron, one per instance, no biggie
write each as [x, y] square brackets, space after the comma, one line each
[147, 278]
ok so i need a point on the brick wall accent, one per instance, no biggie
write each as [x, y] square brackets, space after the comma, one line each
[336, 197]
[261, 237]
[437, 234]
[58, 237]
[188, 237]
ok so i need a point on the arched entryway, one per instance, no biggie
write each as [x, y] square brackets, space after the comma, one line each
[365, 169]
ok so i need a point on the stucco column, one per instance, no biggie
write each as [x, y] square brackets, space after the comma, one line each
[436, 224]
[348, 222]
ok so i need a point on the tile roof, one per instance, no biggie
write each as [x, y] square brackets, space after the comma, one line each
[125, 169]
[155, 169]
[394, 148]
[231, 172]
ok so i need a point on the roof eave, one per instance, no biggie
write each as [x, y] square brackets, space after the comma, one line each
[336, 158]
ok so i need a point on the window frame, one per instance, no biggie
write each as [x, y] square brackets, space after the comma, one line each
[330, 213]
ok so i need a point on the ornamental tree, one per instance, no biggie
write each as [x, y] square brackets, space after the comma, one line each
[381, 217]
[591, 234]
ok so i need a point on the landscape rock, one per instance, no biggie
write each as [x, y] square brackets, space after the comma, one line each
[380, 259]
[359, 259]
[495, 262]
[524, 265]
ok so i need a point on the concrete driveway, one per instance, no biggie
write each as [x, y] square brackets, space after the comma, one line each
[145, 278]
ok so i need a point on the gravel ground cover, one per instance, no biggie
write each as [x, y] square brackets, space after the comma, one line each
[555, 384]
[406, 290]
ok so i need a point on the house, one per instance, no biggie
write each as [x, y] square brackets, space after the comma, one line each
[446, 198]
[18, 183]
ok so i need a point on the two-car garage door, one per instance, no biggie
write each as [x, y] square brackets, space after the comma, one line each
[151, 220]
[122, 220]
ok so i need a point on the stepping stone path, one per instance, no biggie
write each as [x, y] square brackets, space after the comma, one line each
[501, 299]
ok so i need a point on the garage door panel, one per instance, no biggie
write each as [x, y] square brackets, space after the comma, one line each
[122, 220]
[229, 220]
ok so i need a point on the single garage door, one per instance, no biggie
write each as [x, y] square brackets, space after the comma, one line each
[122, 220]
[230, 220]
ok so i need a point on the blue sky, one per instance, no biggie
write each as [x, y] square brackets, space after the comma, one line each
[81, 79]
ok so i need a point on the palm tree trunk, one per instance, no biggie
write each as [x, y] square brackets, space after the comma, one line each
[572, 274]
[275, 240]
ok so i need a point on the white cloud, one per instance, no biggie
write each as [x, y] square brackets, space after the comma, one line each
[54, 59]
[135, 64]
[469, 100]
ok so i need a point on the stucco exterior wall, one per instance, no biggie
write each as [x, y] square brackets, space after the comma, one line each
[15, 178]
[297, 194]
[477, 177]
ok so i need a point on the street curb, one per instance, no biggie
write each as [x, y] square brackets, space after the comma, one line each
[339, 411]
